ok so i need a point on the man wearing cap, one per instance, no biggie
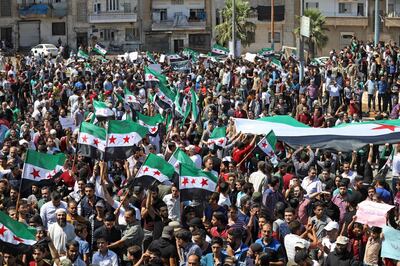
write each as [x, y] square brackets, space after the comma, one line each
[61, 232]
[165, 246]
[340, 255]
[329, 241]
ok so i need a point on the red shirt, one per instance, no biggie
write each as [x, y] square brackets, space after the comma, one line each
[304, 118]
[238, 155]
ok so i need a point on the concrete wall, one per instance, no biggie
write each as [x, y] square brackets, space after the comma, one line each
[331, 7]
[184, 9]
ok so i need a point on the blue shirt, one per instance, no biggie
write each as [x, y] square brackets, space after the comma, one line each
[83, 246]
[382, 87]
[208, 260]
[273, 249]
[384, 194]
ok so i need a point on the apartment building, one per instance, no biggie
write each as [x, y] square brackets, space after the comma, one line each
[175, 24]
[345, 18]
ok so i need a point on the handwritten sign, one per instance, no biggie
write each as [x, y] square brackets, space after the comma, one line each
[372, 213]
[391, 243]
[67, 122]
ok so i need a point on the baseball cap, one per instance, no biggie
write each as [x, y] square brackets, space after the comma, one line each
[342, 240]
[332, 225]
[299, 245]
[167, 232]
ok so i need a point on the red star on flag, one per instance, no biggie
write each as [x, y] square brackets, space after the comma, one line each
[150, 76]
[48, 176]
[271, 153]
[2, 230]
[162, 97]
[153, 129]
[126, 139]
[145, 170]
[96, 142]
[156, 172]
[35, 173]
[84, 138]
[389, 127]
[264, 145]
[16, 238]
[185, 181]
[112, 139]
[177, 165]
[204, 182]
[193, 181]
[221, 141]
[129, 98]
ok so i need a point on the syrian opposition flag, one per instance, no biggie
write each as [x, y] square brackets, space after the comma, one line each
[345, 137]
[100, 50]
[151, 122]
[102, 111]
[195, 106]
[180, 157]
[265, 52]
[83, 54]
[195, 183]
[122, 135]
[192, 54]
[150, 57]
[174, 57]
[218, 137]
[15, 237]
[267, 145]
[152, 75]
[92, 140]
[219, 50]
[42, 166]
[277, 63]
[129, 97]
[154, 170]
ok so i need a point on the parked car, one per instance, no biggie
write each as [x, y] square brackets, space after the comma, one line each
[44, 49]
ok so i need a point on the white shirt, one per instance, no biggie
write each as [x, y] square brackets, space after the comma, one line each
[174, 208]
[48, 212]
[110, 259]
[396, 165]
[121, 214]
[197, 160]
[311, 186]
[327, 243]
[290, 241]
[351, 175]
[256, 179]
[61, 235]
[224, 200]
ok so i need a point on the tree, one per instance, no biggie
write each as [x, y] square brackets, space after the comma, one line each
[244, 28]
[318, 39]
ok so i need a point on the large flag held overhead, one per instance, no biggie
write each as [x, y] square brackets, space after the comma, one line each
[265, 52]
[102, 111]
[192, 54]
[150, 57]
[122, 135]
[152, 75]
[267, 145]
[195, 183]
[100, 50]
[15, 237]
[83, 54]
[92, 140]
[195, 106]
[40, 166]
[180, 157]
[345, 138]
[218, 137]
[151, 122]
[154, 170]
[219, 50]
[129, 97]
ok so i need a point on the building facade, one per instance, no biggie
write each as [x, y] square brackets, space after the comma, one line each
[345, 18]
[175, 24]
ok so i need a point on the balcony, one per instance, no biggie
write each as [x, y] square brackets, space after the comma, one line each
[43, 10]
[112, 17]
[170, 25]
[345, 19]
[392, 18]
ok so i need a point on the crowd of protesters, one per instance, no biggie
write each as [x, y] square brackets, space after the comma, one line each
[301, 212]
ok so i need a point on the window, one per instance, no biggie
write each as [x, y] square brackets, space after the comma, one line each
[81, 12]
[127, 7]
[97, 8]
[197, 15]
[177, 2]
[264, 13]
[217, 17]
[5, 8]
[344, 8]
[345, 38]
[160, 14]
[277, 37]
[58, 28]
[199, 40]
[131, 34]
[112, 5]
[107, 35]
[6, 35]
[312, 5]
[360, 9]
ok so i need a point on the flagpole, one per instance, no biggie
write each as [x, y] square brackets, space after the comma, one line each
[255, 146]
[20, 183]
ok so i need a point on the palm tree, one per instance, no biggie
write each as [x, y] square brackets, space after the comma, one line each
[318, 39]
[243, 27]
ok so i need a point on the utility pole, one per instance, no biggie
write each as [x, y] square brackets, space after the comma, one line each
[301, 46]
[272, 24]
[377, 23]
[234, 28]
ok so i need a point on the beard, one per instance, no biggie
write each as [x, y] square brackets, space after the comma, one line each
[62, 222]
